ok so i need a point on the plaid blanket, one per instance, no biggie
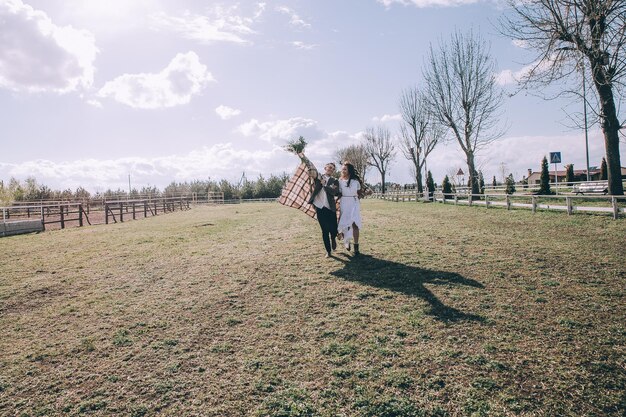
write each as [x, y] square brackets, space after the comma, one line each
[297, 191]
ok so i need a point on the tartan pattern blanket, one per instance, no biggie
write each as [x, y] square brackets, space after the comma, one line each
[297, 191]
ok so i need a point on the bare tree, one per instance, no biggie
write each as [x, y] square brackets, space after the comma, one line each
[502, 169]
[462, 94]
[418, 133]
[356, 155]
[380, 150]
[563, 31]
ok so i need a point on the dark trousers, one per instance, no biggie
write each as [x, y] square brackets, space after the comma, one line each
[328, 223]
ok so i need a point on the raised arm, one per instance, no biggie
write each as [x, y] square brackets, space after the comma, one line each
[313, 173]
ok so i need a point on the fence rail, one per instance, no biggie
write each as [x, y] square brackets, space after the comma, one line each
[615, 205]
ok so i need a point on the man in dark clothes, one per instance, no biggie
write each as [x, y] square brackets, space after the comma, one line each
[325, 188]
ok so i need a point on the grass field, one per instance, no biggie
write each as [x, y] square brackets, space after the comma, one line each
[234, 311]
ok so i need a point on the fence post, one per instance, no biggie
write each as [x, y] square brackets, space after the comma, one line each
[155, 208]
[106, 213]
[568, 201]
[508, 202]
[28, 212]
[615, 208]
[469, 199]
[534, 202]
[80, 215]
[145, 209]
[133, 210]
[62, 217]
[456, 199]
[43, 219]
[121, 212]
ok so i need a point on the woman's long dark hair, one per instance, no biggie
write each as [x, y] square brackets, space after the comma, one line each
[353, 174]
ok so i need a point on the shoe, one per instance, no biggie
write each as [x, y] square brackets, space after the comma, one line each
[328, 255]
[334, 243]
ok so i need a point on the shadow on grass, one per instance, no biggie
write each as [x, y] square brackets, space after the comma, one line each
[408, 280]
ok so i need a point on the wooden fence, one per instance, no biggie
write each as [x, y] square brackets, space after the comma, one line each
[136, 208]
[59, 215]
[615, 205]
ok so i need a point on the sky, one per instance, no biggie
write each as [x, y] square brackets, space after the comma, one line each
[94, 92]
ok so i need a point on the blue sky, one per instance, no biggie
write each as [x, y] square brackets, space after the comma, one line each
[92, 91]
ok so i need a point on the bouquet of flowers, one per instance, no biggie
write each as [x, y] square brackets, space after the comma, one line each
[296, 146]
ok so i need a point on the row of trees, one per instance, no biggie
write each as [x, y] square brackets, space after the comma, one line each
[247, 189]
[460, 99]
[31, 190]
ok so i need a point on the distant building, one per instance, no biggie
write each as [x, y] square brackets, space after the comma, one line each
[534, 177]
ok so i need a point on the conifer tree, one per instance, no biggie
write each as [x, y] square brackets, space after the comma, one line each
[544, 181]
[603, 170]
[569, 174]
[510, 184]
[430, 185]
[481, 183]
[446, 187]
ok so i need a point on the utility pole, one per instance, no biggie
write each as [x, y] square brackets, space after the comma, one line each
[582, 63]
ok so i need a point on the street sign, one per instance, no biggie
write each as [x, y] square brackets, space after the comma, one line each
[555, 157]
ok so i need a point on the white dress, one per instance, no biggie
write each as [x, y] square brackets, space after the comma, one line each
[350, 209]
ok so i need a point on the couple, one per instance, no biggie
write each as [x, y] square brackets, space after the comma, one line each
[349, 189]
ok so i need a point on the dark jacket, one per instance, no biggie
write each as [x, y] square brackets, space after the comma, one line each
[331, 188]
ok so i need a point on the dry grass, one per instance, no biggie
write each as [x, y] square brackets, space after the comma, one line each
[233, 311]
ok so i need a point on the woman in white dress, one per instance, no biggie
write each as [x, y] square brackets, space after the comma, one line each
[351, 189]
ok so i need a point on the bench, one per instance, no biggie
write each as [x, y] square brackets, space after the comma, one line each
[595, 187]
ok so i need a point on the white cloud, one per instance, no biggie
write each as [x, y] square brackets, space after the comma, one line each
[220, 161]
[95, 103]
[427, 3]
[387, 118]
[282, 130]
[302, 45]
[175, 85]
[327, 147]
[294, 19]
[221, 24]
[104, 18]
[260, 10]
[520, 43]
[226, 112]
[507, 76]
[38, 56]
